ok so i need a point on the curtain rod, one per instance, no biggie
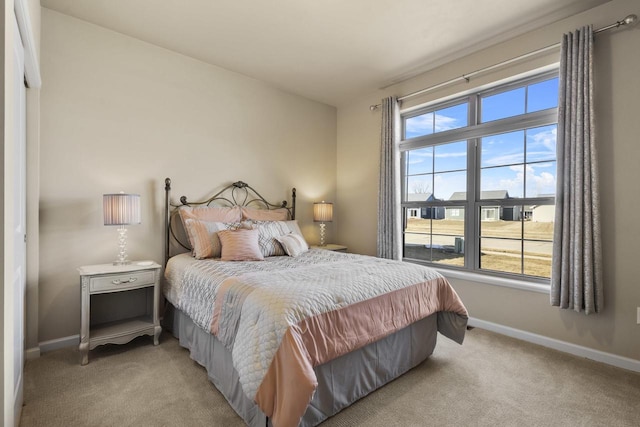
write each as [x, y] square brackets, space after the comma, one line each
[629, 20]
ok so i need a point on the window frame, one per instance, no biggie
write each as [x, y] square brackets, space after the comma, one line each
[472, 133]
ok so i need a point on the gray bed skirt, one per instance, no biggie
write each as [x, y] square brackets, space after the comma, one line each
[341, 381]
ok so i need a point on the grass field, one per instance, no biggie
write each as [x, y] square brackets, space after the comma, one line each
[435, 241]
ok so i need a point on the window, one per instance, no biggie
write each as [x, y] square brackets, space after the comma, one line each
[478, 180]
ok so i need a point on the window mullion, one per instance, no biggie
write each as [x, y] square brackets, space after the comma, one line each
[472, 163]
[403, 175]
[522, 242]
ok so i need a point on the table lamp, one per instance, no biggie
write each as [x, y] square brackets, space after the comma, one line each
[121, 209]
[322, 212]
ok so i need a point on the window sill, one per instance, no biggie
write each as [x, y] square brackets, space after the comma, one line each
[496, 281]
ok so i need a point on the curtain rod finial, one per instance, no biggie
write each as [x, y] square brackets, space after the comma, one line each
[630, 19]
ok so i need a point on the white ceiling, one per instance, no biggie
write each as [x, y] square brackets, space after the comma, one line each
[326, 50]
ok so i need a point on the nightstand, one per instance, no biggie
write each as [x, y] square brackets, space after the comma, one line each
[331, 247]
[109, 288]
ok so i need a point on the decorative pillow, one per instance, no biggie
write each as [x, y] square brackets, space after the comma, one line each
[268, 232]
[240, 245]
[293, 244]
[293, 226]
[280, 214]
[209, 213]
[204, 236]
[290, 225]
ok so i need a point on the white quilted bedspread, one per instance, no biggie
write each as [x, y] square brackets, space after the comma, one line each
[263, 299]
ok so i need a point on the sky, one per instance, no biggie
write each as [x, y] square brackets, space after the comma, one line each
[521, 162]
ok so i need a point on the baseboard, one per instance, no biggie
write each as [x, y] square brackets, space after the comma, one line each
[70, 341]
[32, 353]
[576, 350]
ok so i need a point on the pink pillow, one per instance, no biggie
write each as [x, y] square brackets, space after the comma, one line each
[240, 245]
[209, 214]
[204, 236]
[280, 214]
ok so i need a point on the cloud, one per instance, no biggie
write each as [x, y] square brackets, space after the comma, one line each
[427, 124]
[547, 155]
[546, 138]
[543, 165]
[419, 153]
[458, 154]
[496, 139]
[542, 144]
[505, 159]
[512, 185]
[542, 183]
[419, 125]
[446, 123]
[545, 179]
[539, 179]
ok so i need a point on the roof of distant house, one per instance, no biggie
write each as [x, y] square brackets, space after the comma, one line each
[493, 194]
[418, 197]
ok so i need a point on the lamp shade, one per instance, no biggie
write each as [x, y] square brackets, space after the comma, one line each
[323, 212]
[121, 209]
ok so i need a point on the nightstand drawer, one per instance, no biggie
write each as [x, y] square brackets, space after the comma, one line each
[124, 281]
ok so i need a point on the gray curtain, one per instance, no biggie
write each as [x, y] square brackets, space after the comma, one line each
[389, 226]
[576, 275]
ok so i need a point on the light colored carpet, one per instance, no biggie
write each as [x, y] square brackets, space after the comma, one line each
[491, 380]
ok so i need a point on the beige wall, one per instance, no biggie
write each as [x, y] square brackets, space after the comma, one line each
[120, 114]
[617, 105]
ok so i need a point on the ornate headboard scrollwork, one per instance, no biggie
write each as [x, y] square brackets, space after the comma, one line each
[238, 193]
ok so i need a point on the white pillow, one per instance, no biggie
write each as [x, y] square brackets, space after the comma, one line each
[269, 231]
[293, 244]
[293, 226]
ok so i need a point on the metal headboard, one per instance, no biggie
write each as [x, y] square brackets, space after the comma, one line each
[237, 194]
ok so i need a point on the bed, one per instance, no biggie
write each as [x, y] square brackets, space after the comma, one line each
[291, 335]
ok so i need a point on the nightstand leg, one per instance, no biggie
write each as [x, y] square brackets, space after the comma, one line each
[84, 320]
[84, 353]
[156, 335]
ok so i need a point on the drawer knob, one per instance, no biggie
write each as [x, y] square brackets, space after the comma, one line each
[119, 282]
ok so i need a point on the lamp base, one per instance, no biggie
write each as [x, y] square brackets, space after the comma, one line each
[122, 247]
[322, 242]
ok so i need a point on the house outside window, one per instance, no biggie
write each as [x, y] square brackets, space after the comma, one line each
[481, 170]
